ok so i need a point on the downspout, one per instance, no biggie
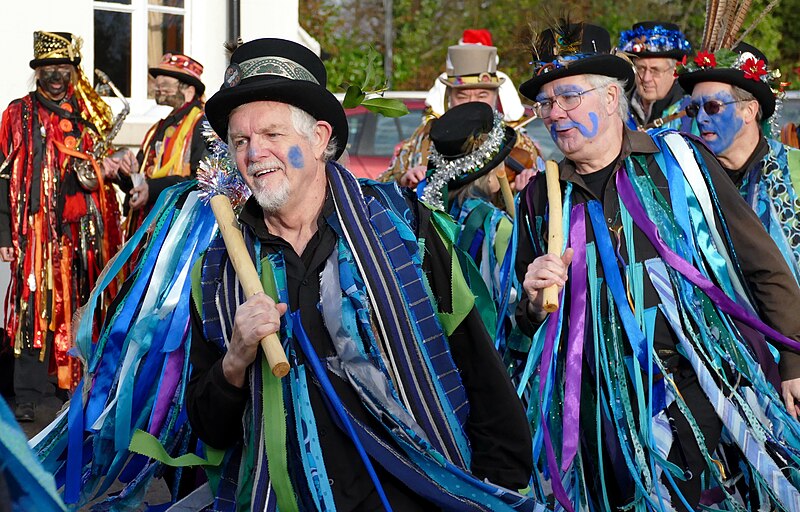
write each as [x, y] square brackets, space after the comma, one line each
[234, 20]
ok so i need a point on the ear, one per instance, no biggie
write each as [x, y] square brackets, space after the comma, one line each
[322, 134]
[612, 99]
[750, 111]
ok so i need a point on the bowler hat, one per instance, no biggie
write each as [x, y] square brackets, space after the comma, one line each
[574, 49]
[182, 67]
[50, 48]
[468, 141]
[747, 70]
[277, 70]
[654, 39]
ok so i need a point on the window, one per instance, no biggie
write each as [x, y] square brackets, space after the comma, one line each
[132, 35]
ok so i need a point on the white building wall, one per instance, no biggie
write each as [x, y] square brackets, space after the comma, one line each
[205, 32]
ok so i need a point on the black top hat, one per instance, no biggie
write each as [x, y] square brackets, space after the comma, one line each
[745, 67]
[574, 49]
[182, 67]
[468, 142]
[654, 39]
[52, 48]
[282, 71]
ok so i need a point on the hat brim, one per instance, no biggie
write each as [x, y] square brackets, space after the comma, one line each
[672, 54]
[37, 63]
[183, 77]
[475, 85]
[606, 65]
[305, 95]
[761, 91]
[509, 140]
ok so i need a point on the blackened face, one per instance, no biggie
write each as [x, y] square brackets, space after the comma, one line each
[54, 80]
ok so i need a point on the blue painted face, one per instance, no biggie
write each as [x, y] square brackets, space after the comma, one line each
[718, 130]
[296, 157]
[588, 130]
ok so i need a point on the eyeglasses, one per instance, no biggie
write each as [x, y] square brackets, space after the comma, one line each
[711, 107]
[655, 72]
[567, 101]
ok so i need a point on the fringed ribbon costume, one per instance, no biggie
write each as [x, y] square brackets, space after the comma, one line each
[653, 386]
[396, 394]
[769, 183]
[62, 234]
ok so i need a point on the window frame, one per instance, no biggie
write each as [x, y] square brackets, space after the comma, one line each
[140, 31]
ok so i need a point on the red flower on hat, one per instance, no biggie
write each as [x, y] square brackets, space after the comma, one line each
[705, 60]
[754, 69]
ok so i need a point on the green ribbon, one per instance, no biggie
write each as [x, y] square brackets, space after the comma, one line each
[149, 446]
[274, 409]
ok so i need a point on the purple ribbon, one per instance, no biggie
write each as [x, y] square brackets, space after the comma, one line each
[550, 337]
[634, 206]
[576, 337]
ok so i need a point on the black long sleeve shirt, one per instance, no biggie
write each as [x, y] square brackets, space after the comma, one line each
[497, 426]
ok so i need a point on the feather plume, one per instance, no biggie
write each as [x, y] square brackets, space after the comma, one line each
[711, 11]
[231, 46]
[741, 14]
[567, 37]
[713, 43]
[758, 20]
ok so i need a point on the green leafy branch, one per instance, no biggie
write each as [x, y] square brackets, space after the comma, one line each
[370, 93]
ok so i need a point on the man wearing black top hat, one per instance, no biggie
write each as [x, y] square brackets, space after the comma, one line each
[670, 289]
[394, 399]
[173, 147]
[59, 223]
[732, 103]
[655, 48]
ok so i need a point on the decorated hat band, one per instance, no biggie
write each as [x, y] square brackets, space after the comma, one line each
[563, 61]
[751, 66]
[446, 169]
[266, 66]
[656, 39]
[483, 78]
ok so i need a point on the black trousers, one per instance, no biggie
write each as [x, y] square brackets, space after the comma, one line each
[31, 379]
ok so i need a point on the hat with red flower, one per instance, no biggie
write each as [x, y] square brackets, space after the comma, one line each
[744, 67]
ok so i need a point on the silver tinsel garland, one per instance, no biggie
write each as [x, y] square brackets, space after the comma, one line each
[445, 170]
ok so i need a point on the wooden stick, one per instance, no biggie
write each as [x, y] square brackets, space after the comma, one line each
[555, 238]
[505, 189]
[248, 277]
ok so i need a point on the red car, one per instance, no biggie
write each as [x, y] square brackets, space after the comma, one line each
[373, 138]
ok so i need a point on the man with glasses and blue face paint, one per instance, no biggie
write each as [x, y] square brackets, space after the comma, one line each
[655, 48]
[653, 386]
[731, 103]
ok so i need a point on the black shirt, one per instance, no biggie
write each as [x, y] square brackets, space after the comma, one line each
[497, 426]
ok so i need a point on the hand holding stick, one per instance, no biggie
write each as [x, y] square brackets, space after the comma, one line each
[555, 238]
[218, 184]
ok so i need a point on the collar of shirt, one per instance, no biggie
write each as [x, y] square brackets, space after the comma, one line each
[633, 142]
[253, 216]
[758, 154]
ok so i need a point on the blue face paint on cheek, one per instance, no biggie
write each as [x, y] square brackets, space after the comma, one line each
[585, 130]
[725, 124]
[296, 157]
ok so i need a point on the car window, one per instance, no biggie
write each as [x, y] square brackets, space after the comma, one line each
[389, 131]
[354, 122]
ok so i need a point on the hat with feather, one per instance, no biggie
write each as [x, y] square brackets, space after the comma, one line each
[571, 49]
[725, 58]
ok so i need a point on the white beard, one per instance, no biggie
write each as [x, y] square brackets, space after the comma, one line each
[272, 200]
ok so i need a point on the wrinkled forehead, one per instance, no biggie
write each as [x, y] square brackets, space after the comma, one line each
[712, 90]
[654, 62]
